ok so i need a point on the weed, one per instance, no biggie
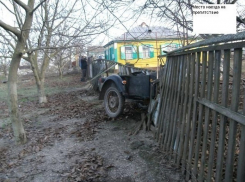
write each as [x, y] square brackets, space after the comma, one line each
[3, 92]
[5, 123]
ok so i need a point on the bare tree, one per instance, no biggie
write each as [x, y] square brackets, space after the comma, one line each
[4, 61]
[4, 65]
[174, 14]
[6, 51]
[38, 44]
[60, 27]
[179, 13]
[21, 35]
[62, 61]
[50, 17]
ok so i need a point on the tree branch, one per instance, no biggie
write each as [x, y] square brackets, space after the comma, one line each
[10, 28]
[238, 19]
[207, 1]
[12, 35]
[29, 51]
[7, 40]
[234, 1]
[18, 15]
[67, 16]
[37, 6]
[23, 5]
[7, 7]
[5, 57]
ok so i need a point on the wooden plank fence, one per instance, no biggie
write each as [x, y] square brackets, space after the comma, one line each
[202, 119]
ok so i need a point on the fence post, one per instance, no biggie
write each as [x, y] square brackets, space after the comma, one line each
[171, 103]
[200, 118]
[183, 111]
[173, 109]
[175, 123]
[164, 125]
[162, 96]
[207, 114]
[190, 104]
[194, 115]
[241, 158]
[234, 107]
[215, 114]
[180, 107]
[223, 120]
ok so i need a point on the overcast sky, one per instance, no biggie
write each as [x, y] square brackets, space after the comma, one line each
[116, 31]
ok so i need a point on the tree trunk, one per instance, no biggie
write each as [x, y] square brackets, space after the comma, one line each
[19, 132]
[60, 73]
[39, 80]
[61, 76]
[41, 92]
[5, 71]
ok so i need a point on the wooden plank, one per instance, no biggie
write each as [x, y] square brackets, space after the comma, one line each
[237, 65]
[179, 116]
[210, 48]
[180, 82]
[161, 81]
[174, 112]
[240, 118]
[215, 114]
[173, 104]
[168, 107]
[166, 104]
[200, 115]
[207, 115]
[165, 99]
[194, 116]
[183, 118]
[159, 121]
[223, 120]
[162, 92]
[190, 104]
[151, 109]
[241, 158]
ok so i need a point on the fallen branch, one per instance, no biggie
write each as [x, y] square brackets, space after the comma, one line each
[141, 124]
[150, 113]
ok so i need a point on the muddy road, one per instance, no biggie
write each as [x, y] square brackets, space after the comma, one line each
[71, 139]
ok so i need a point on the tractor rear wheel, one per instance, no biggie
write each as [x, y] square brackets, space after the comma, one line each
[113, 102]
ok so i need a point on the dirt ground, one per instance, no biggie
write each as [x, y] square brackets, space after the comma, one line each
[72, 139]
